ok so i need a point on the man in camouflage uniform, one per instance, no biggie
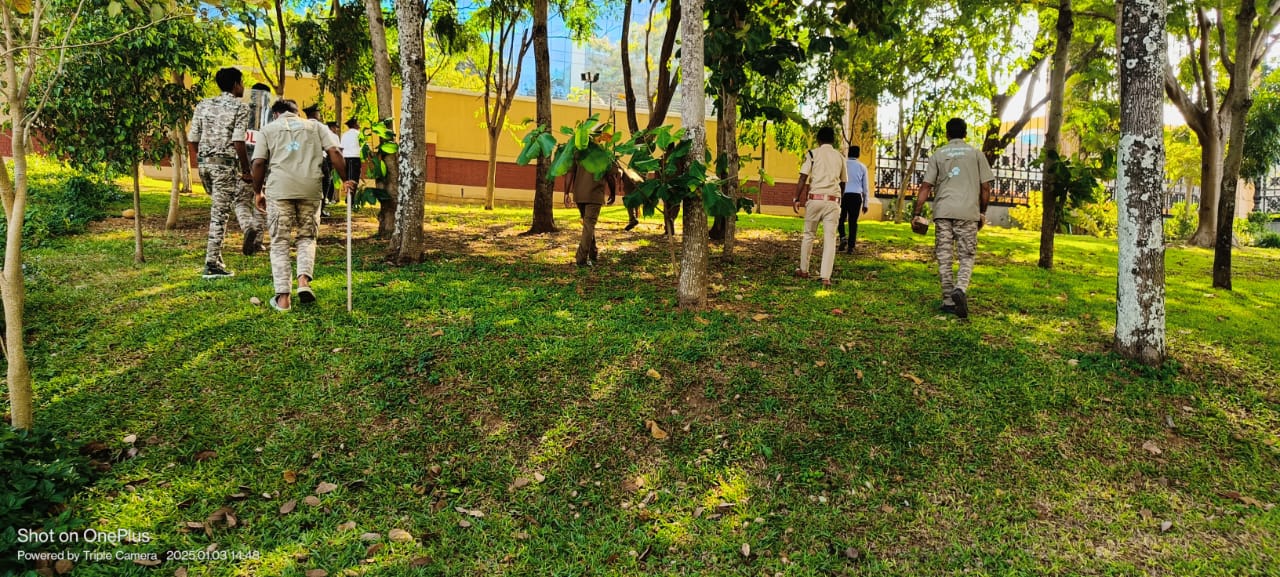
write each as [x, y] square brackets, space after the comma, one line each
[217, 137]
[962, 178]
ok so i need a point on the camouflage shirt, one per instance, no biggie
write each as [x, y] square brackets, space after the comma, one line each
[218, 122]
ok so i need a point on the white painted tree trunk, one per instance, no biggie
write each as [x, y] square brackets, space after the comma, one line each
[692, 290]
[413, 134]
[1140, 330]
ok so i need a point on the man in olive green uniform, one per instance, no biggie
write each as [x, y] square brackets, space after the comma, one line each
[217, 137]
[588, 193]
[291, 150]
[958, 178]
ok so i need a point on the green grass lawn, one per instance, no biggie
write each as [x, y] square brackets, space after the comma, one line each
[492, 403]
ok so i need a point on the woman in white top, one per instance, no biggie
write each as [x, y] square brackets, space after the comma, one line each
[350, 143]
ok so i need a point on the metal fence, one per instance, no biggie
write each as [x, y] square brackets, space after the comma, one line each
[1266, 193]
[1015, 171]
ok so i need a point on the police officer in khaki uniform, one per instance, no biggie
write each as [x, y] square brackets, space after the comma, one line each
[822, 179]
[291, 150]
[217, 142]
[961, 177]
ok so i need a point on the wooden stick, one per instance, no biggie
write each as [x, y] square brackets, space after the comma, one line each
[350, 198]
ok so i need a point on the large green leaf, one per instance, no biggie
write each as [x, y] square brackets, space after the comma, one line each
[564, 160]
[389, 148]
[597, 161]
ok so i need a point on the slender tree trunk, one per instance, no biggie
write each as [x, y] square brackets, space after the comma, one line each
[1239, 100]
[408, 236]
[729, 135]
[907, 165]
[628, 91]
[382, 85]
[13, 289]
[544, 218]
[337, 105]
[138, 257]
[1140, 183]
[692, 290]
[175, 181]
[284, 47]
[491, 172]
[1052, 139]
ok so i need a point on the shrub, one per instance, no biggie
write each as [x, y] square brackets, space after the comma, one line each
[1030, 216]
[1268, 240]
[62, 201]
[1184, 216]
[1099, 219]
[41, 475]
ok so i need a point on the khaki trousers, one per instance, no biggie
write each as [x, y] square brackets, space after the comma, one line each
[827, 214]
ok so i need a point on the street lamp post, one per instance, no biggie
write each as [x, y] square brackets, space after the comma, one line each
[590, 78]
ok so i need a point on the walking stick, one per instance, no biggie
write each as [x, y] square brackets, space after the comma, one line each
[350, 198]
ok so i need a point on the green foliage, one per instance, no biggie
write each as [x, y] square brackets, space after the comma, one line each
[114, 105]
[61, 201]
[1182, 224]
[41, 475]
[1031, 216]
[1268, 240]
[1077, 181]
[1099, 219]
[336, 49]
[376, 143]
[1253, 228]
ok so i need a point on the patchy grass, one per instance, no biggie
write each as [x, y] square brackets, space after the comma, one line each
[882, 439]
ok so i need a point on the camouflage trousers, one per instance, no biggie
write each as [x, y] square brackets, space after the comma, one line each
[590, 214]
[228, 193]
[955, 240]
[286, 218]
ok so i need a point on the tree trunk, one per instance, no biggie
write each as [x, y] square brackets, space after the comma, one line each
[1211, 146]
[1140, 183]
[408, 236]
[1052, 138]
[138, 257]
[729, 135]
[1239, 100]
[906, 165]
[544, 218]
[491, 171]
[382, 85]
[175, 181]
[284, 47]
[13, 288]
[692, 290]
[337, 105]
[624, 49]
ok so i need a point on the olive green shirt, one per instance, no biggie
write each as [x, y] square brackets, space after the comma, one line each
[957, 171]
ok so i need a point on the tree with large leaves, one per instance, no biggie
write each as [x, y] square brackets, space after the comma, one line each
[1140, 327]
[337, 49]
[383, 89]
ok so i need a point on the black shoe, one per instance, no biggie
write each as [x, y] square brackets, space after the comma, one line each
[631, 225]
[962, 303]
[212, 271]
[251, 244]
[841, 245]
[586, 264]
[305, 295]
[948, 309]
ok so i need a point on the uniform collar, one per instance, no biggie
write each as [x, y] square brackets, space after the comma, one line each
[956, 140]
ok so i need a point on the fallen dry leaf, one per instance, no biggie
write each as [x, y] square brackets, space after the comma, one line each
[438, 333]
[837, 312]
[130, 439]
[655, 375]
[348, 526]
[521, 535]
[520, 483]
[1165, 526]
[148, 562]
[181, 572]
[373, 549]
[539, 477]
[290, 476]
[1151, 447]
[311, 500]
[325, 487]
[759, 317]
[858, 373]
[820, 363]
[205, 455]
[317, 573]
[288, 507]
[370, 536]
[655, 430]
[887, 508]
[255, 301]
[63, 566]
[400, 536]
[746, 550]
[914, 379]
[223, 515]
[464, 523]
[852, 553]
[420, 562]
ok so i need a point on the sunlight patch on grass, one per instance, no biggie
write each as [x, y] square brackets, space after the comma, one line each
[554, 444]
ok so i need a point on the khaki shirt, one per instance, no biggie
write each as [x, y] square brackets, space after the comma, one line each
[294, 149]
[218, 122]
[957, 171]
[586, 188]
[826, 170]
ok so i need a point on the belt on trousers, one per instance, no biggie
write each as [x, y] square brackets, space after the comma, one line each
[217, 161]
[830, 197]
